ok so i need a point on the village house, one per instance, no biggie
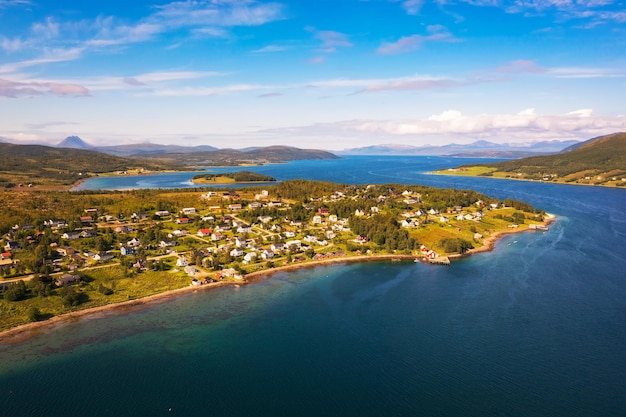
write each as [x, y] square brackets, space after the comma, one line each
[332, 218]
[139, 216]
[277, 247]
[103, 256]
[65, 250]
[317, 220]
[330, 234]
[182, 261]
[236, 252]
[293, 245]
[188, 210]
[209, 195]
[88, 233]
[124, 229]
[254, 205]
[190, 270]
[183, 220]
[133, 243]
[265, 219]
[244, 228]
[249, 257]
[162, 213]
[204, 232]
[234, 207]
[128, 250]
[86, 219]
[55, 224]
[410, 223]
[67, 279]
[267, 254]
[71, 235]
[310, 239]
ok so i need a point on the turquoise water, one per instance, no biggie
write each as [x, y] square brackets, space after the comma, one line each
[535, 328]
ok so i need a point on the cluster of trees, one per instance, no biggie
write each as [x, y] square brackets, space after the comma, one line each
[455, 245]
[42, 286]
[517, 217]
[384, 230]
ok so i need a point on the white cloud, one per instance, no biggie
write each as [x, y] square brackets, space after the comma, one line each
[526, 125]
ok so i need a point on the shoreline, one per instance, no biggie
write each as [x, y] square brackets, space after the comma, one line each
[440, 172]
[26, 331]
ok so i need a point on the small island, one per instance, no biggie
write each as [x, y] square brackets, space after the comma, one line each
[239, 177]
[68, 254]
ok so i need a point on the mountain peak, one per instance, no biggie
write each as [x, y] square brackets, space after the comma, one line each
[73, 142]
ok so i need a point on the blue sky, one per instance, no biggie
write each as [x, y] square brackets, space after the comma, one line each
[328, 74]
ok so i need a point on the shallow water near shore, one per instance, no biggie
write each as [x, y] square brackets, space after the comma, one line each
[535, 327]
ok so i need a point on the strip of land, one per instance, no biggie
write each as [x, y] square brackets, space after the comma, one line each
[21, 333]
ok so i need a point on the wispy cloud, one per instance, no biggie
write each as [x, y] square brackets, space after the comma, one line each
[579, 72]
[207, 91]
[521, 66]
[330, 40]
[49, 56]
[11, 3]
[223, 13]
[269, 95]
[270, 48]
[410, 43]
[15, 89]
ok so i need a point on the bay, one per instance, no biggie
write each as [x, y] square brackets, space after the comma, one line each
[536, 327]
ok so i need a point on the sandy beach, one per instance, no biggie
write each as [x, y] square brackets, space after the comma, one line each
[25, 331]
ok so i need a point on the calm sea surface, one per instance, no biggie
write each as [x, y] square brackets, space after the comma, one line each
[535, 328]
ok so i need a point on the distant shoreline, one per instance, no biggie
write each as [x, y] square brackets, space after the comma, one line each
[23, 332]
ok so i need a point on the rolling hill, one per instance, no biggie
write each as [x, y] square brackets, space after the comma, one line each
[232, 157]
[45, 165]
[598, 161]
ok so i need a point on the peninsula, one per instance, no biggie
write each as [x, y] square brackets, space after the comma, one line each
[68, 252]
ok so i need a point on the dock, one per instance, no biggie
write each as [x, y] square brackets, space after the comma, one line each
[440, 260]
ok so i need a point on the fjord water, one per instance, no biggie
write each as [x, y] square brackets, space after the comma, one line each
[535, 328]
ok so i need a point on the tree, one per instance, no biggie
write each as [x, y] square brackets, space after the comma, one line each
[15, 291]
[34, 314]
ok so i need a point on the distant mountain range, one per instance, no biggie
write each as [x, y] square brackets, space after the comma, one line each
[135, 149]
[478, 149]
